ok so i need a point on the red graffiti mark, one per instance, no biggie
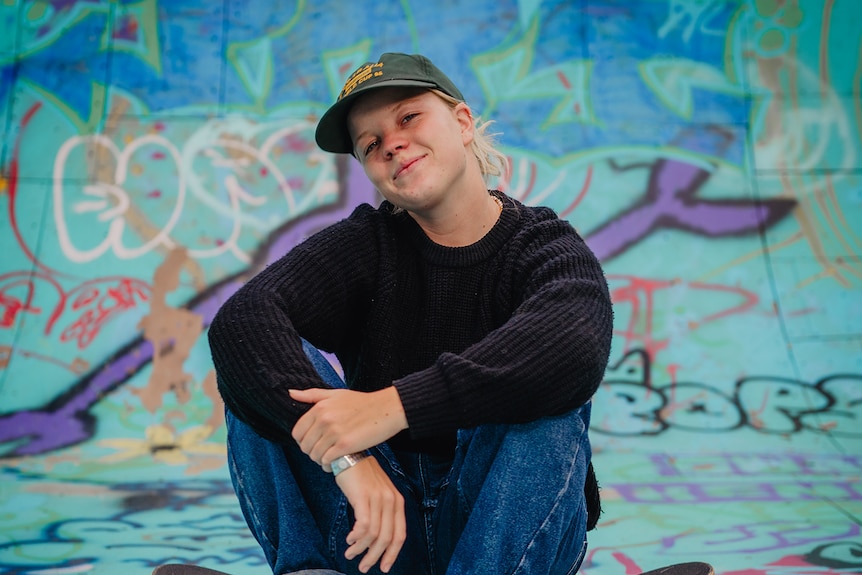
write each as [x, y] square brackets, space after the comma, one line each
[296, 143]
[100, 305]
[755, 412]
[12, 306]
[13, 188]
[13, 195]
[584, 188]
[506, 180]
[13, 302]
[97, 302]
[672, 370]
[564, 81]
[78, 365]
[750, 300]
[87, 296]
[640, 295]
[505, 183]
[790, 563]
[127, 29]
[800, 312]
[627, 562]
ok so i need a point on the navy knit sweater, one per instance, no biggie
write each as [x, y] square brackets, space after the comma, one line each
[512, 328]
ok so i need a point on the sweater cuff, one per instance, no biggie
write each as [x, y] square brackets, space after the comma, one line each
[428, 405]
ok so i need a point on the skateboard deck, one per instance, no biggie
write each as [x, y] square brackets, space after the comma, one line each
[692, 568]
[179, 569]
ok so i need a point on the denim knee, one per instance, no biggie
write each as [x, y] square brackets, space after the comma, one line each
[515, 502]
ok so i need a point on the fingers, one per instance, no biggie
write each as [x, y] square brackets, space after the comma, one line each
[310, 395]
[304, 423]
[311, 438]
[310, 431]
[380, 527]
[380, 536]
[399, 536]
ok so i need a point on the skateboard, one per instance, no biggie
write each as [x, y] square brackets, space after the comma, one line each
[692, 568]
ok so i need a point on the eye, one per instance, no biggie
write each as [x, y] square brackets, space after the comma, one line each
[407, 118]
[370, 147]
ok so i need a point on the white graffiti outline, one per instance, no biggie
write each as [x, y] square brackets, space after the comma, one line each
[112, 201]
[206, 139]
[117, 226]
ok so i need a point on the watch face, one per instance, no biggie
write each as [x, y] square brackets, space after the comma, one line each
[340, 465]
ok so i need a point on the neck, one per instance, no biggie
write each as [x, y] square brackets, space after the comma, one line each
[464, 220]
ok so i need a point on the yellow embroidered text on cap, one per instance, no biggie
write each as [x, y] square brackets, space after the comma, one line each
[359, 76]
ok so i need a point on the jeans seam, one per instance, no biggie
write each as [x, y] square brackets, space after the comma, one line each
[248, 505]
[426, 521]
[557, 500]
[339, 518]
[578, 560]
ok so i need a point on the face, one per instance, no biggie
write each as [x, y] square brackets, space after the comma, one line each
[413, 146]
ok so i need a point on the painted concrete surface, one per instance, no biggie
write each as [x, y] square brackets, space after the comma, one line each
[156, 154]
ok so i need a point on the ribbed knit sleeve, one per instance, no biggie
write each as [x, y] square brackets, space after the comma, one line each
[319, 290]
[548, 357]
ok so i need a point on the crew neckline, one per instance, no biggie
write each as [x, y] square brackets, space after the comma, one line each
[487, 246]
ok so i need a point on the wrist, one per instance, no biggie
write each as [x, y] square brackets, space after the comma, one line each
[393, 409]
[345, 462]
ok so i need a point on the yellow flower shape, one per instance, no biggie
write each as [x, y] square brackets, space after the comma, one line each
[165, 446]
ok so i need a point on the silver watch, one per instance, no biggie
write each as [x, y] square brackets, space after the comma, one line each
[346, 462]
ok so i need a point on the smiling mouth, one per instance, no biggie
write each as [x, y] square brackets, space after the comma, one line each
[406, 167]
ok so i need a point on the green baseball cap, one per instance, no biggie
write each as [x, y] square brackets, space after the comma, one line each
[392, 69]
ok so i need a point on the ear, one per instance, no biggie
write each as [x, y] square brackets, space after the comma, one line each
[464, 117]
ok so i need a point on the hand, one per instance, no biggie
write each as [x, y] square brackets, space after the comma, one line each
[380, 528]
[342, 421]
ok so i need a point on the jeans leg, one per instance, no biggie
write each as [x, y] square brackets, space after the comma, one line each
[294, 525]
[293, 508]
[296, 511]
[515, 502]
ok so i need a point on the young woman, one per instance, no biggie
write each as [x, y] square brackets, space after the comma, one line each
[472, 330]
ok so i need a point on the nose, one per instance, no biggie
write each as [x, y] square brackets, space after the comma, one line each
[392, 143]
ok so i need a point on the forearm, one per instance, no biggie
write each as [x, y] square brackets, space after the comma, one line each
[342, 421]
[258, 357]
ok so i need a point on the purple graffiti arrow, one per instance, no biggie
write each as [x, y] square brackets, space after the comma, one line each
[670, 202]
[66, 419]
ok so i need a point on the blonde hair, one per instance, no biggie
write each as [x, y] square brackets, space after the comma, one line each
[492, 162]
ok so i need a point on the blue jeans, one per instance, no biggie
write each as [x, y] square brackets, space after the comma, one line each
[510, 502]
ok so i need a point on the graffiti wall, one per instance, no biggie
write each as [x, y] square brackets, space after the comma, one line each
[156, 154]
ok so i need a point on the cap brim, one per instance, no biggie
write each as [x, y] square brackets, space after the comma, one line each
[332, 134]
